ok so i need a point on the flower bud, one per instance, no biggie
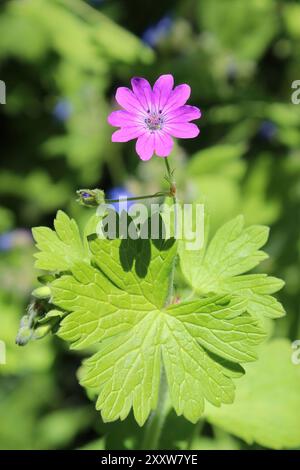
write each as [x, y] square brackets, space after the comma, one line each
[25, 332]
[46, 278]
[90, 197]
[42, 292]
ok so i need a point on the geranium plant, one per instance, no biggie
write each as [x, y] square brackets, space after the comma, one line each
[152, 346]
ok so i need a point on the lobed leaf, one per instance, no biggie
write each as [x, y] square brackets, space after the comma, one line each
[119, 303]
[220, 268]
[59, 248]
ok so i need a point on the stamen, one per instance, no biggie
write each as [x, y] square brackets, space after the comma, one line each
[154, 122]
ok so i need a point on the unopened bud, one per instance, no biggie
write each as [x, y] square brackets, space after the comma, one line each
[25, 332]
[46, 278]
[42, 292]
[91, 197]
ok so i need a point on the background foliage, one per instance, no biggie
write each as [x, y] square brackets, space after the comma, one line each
[61, 61]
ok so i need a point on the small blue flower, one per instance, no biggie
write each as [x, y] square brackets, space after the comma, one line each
[156, 32]
[6, 241]
[15, 238]
[62, 110]
[267, 130]
[119, 193]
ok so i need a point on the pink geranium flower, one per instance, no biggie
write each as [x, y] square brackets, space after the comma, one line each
[154, 116]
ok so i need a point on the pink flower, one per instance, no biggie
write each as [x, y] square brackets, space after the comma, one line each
[154, 116]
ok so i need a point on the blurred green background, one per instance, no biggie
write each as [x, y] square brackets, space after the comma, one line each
[61, 61]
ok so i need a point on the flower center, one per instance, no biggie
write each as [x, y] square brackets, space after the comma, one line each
[154, 121]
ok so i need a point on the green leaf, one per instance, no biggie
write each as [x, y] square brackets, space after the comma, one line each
[267, 405]
[220, 327]
[291, 17]
[223, 159]
[220, 268]
[119, 303]
[248, 36]
[59, 248]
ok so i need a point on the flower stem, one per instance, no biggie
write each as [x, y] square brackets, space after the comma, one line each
[155, 423]
[168, 168]
[137, 198]
[172, 193]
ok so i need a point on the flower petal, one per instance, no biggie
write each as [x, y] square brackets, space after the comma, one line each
[122, 118]
[162, 89]
[183, 114]
[128, 100]
[143, 92]
[127, 133]
[178, 97]
[145, 145]
[182, 130]
[163, 144]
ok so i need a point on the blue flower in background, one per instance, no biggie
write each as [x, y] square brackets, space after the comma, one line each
[62, 110]
[158, 31]
[267, 130]
[15, 238]
[119, 193]
[5, 241]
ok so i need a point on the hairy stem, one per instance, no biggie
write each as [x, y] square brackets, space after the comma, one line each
[155, 423]
[137, 198]
[168, 167]
[172, 193]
